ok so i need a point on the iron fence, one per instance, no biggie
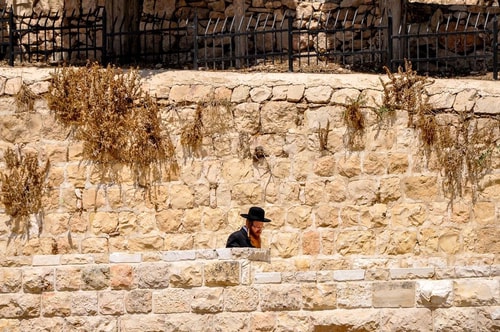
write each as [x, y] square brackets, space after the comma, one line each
[358, 40]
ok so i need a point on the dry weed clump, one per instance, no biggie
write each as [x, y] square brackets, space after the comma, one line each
[23, 186]
[25, 99]
[463, 144]
[117, 121]
[405, 89]
[355, 122]
[212, 117]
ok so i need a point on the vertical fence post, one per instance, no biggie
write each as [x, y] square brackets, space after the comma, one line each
[195, 41]
[12, 27]
[290, 43]
[389, 41]
[104, 55]
[495, 48]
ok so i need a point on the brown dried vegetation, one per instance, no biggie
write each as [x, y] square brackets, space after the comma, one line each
[211, 118]
[463, 143]
[25, 99]
[117, 121]
[354, 120]
[23, 186]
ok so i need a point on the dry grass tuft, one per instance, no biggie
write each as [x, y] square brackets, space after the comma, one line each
[25, 99]
[211, 118]
[23, 186]
[354, 120]
[117, 121]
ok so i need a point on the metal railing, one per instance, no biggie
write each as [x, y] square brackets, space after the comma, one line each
[347, 38]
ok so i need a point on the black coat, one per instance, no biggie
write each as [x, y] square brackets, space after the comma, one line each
[239, 239]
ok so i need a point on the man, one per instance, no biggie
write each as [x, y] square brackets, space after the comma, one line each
[249, 235]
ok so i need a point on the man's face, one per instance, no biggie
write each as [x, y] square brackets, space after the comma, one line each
[256, 228]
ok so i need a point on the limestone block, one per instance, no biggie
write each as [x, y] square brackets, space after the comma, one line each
[3, 81]
[247, 193]
[349, 216]
[469, 293]
[374, 164]
[336, 190]
[56, 223]
[103, 222]
[422, 188]
[207, 300]
[172, 300]
[390, 189]
[488, 319]
[21, 128]
[94, 245]
[236, 170]
[179, 242]
[434, 293]
[397, 163]
[319, 296]
[349, 166]
[11, 325]
[345, 96]
[324, 166]
[13, 85]
[394, 294]
[407, 320]
[95, 277]
[68, 278]
[449, 242]
[318, 94]
[260, 94]
[363, 192]
[142, 322]
[454, 319]
[278, 117]
[240, 94]
[311, 243]
[355, 295]
[344, 320]
[20, 305]
[355, 242]
[226, 273]
[121, 276]
[280, 297]
[299, 217]
[152, 275]
[169, 220]
[192, 93]
[444, 100]
[56, 304]
[485, 104]
[262, 321]
[241, 299]
[465, 100]
[181, 196]
[397, 242]
[487, 240]
[111, 303]
[484, 213]
[38, 280]
[186, 275]
[10, 280]
[490, 187]
[328, 244]
[285, 245]
[326, 216]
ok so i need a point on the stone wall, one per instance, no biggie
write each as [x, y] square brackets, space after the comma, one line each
[226, 290]
[364, 232]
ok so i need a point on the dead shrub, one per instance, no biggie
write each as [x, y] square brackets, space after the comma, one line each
[25, 99]
[354, 120]
[117, 121]
[23, 186]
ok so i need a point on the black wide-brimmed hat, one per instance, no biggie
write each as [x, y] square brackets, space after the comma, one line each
[255, 213]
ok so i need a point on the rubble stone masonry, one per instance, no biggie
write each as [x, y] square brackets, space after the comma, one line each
[363, 240]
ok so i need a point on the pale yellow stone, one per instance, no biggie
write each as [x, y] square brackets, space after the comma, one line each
[349, 216]
[325, 166]
[405, 215]
[285, 245]
[349, 166]
[299, 217]
[247, 193]
[326, 216]
[355, 242]
[319, 296]
[103, 222]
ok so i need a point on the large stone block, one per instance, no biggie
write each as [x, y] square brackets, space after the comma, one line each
[225, 273]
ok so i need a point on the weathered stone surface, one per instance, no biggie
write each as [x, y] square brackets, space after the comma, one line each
[394, 294]
[222, 273]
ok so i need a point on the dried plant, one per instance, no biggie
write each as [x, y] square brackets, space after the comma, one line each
[25, 99]
[117, 121]
[463, 147]
[212, 117]
[323, 136]
[405, 89]
[23, 186]
[354, 120]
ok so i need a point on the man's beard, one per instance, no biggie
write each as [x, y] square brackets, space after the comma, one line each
[254, 239]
